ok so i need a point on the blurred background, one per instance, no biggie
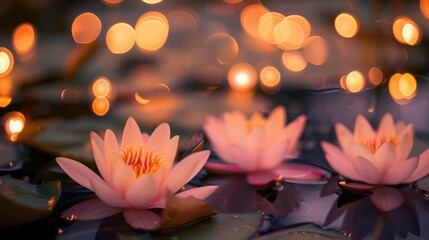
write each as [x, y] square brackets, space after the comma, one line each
[69, 67]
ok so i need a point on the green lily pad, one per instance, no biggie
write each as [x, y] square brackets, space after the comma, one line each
[221, 226]
[304, 232]
[22, 202]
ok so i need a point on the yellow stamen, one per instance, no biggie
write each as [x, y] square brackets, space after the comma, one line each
[149, 163]
[373, 144]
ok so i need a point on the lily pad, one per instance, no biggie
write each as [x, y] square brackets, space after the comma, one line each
[304, 232]
[22, 202]
[221, 226]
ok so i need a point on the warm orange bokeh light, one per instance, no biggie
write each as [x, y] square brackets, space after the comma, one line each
[6, 88]
[222, 46]
[266, 26]
[140, 99]
[407, 86]
[291, 32]
[233, 1]
[242, 77]
[294, 61]
[346, 25]
[152, 1]
[14, 123]
[24, 39]
[112, 2]
[316, 50]
[101, 87]
[406, 31]
[100, 106]
[424, 8]
[270, 79]
[183, 20]
[355, 81]
[394, 91]
[120, 38]
[6, 61]
[343, 82]
[250, 16]
[152, 31]
[375, 76]
[86, 28]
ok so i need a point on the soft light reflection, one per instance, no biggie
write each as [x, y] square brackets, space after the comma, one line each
[6, 61]
[141, 100]
[270, 79]
[24, 39]
[250, 17]
[101, 87]
[223, 46]
[266, 25]
[100, 106]
[152, 31]
[86, 28]
[242, 77]
[375, 76]
[294, 61]
[394, 90]
[406, 31]
[291, 32]
[14, 123]
[232, 1]
[355, 81]
[346, 25]
[316, 50]
[120, 38]
[69, 95]
[407, 86]
[151, 1]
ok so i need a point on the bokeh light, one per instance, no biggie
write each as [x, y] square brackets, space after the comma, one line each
[294, 61]
[6, 61]
[266, 25]
[375, 76]
[152, 1]
[6, 88]
[316, 50]
[183, 20]
[407, 85]
[424, 8]
[270, 79]
[14, 123]
[406, 31]
[120, 38]
[112, 2]
[24, 39]
[151, 31]
[343, 82]
[291, 32]
[346, 25]
[101, 87]
[100, 106]
[250, 17]
[242, 77]
[355, 81]
[86, 28]
[222, 46]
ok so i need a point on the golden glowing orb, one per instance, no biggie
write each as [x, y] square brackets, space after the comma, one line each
[355, 81]
[6, 61]
[101, 87]
[346, 25]
[24, 38]
[86, 28]
[242, 77]
[120, 38]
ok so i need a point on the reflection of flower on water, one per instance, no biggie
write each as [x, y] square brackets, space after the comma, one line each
[381, 214]
[258, 146]
[135, 175]
[377, 157]
[235, 195]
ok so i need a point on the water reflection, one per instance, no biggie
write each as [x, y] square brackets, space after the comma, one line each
[383, 213]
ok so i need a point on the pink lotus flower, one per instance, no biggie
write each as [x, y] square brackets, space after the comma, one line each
[258, 146]
[377, 157]
[134, 175]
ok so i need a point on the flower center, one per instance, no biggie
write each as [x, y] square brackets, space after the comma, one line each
[141, 163]
[374, 143]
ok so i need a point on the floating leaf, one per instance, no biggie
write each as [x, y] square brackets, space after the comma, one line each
[221, 226]
[179, 211]
[22, 202]
[305, 232]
